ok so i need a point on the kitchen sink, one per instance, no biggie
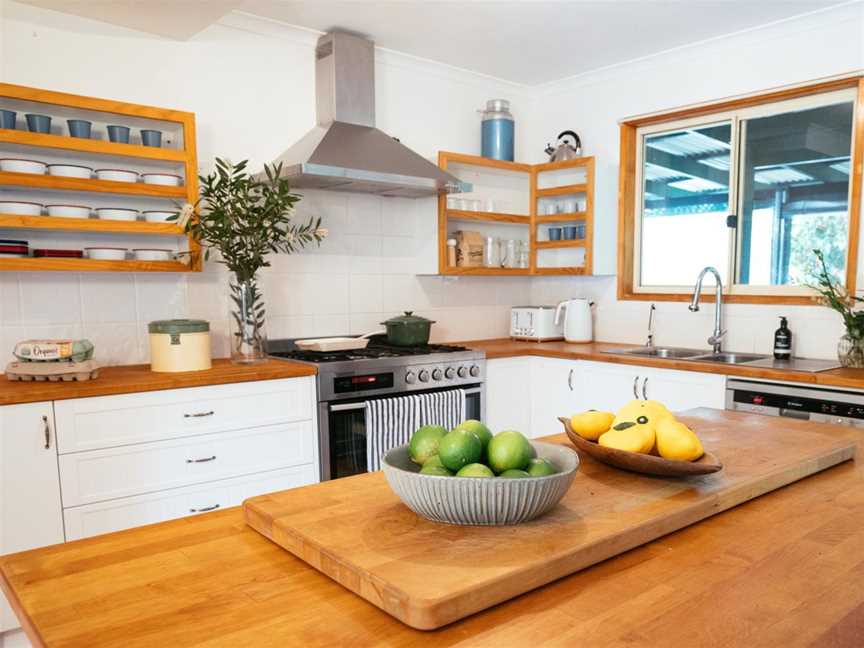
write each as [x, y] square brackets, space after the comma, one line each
[659, 352]
[728, 357]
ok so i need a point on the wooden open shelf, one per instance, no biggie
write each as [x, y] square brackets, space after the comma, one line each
[56, 183]
[551, 245]
[563, 190]
[81, 145]
[90, 265]
[445, 159]
[562, 218]
[14, 221]
[187, 157]
[460, 214]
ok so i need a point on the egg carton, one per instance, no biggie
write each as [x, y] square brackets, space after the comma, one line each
[52, 371]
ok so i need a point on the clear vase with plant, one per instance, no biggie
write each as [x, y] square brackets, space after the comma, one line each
[245, 218]
[832, 293]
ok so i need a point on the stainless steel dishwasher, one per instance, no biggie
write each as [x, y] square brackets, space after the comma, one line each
[810, 403]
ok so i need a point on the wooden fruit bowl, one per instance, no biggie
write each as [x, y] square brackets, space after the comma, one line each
[642, 463]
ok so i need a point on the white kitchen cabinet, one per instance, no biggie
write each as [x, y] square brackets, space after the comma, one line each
[508, 394]
[608, 386]
[30, 505]
[556, 391]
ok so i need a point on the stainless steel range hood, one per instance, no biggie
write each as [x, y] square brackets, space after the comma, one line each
[345, 152]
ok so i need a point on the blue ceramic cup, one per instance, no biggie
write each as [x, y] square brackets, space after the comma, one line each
[580, 231]
[151, 138]
[8, 118]
[38, 123]
[79, 127]
[554, 233]
[118, 134]
[570, 232]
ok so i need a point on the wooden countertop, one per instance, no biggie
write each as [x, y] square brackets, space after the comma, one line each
[786, 569]
[138, 378]
[507, 348]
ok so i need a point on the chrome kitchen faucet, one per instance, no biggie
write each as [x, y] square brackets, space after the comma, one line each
[716, 339]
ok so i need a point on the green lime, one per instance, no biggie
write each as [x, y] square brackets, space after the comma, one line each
[475, 470]
[434, 460]
[513, 472]
[475, 426]
[508, 450]
[424, 443]
[434, 469]
[541, 468]
[459, 448]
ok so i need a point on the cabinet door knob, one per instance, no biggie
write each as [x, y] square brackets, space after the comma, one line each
[47, 429]
[636, 388]
[203, 460]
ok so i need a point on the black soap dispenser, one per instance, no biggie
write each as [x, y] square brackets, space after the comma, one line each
[783, 341]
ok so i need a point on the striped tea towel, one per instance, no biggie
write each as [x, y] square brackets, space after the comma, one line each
[390, 422]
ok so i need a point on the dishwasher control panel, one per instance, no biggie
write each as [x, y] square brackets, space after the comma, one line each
[840, 407]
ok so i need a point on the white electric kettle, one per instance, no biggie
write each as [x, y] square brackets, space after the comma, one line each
[578, 326]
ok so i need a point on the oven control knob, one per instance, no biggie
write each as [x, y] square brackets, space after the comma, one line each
[475, 371]
[410, 378]
[423, 375]
[449, 372]
[436, 374]
[462, 372]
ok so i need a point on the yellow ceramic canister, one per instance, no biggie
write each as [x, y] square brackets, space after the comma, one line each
[179, 345]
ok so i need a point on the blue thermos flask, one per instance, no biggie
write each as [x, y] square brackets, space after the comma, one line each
[497, 130]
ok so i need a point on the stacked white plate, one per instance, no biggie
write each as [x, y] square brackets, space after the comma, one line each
[20, 208]
[22, 166]
[166, 179]
[116, 175]
[117, 213]
[68, 211]
[70, 171]
[106, 253]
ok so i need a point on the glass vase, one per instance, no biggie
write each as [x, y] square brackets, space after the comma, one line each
[248, 320]
[850, 351]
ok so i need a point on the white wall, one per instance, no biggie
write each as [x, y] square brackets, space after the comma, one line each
[794, 51]
[251, 85]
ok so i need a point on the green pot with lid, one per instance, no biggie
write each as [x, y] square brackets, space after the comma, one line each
[408, 330]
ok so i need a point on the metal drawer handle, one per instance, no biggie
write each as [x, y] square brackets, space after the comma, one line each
[204, 509]
[645, 388]
[204, 460]
[47, 432]
[199, 414]
[636, 388]
[570, 380]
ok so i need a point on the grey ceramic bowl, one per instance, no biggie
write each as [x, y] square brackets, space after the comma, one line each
[481, 500]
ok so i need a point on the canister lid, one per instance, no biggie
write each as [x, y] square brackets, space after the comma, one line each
[173, 326]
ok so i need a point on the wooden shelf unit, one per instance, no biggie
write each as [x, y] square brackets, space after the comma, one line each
[532, 220]
[188, 193]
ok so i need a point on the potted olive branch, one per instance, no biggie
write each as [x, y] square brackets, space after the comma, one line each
[850, 349]
[246, 218]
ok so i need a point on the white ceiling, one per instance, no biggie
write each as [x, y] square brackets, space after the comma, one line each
[527, 42]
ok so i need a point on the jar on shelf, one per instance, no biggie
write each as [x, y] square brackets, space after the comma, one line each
[491, 257]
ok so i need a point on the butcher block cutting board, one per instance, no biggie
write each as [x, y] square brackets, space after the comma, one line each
[357, 532]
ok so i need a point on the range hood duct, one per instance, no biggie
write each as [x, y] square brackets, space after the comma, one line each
[345, 152]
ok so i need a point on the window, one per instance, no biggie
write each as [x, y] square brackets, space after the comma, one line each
[749, 187]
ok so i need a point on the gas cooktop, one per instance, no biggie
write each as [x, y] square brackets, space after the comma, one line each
[376, 350]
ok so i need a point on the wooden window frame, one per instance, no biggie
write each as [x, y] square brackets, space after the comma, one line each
[627, 191]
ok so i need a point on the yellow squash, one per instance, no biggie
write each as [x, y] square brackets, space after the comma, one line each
[676, 441]
[632, 436]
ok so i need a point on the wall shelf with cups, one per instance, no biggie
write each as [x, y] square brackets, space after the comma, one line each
[551, 205]
[96, 177]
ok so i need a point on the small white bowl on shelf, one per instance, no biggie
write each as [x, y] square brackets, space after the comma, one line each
[106, 253]
[19, 208]
[152, 255]
[154, 216]
[22, 166]
[70, 171]
[116, 213]
[68, 211]
[116, 175]
[165, 179]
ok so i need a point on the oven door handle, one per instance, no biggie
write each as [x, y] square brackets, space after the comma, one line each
[348, 407]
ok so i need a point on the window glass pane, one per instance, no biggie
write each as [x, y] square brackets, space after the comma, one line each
[685, 201]
[795, 192]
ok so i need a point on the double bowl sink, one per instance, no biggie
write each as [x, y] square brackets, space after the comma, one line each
[694, 355]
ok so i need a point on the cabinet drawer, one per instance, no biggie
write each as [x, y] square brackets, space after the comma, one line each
[111, 421]
[100, 475]
[105, 517]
